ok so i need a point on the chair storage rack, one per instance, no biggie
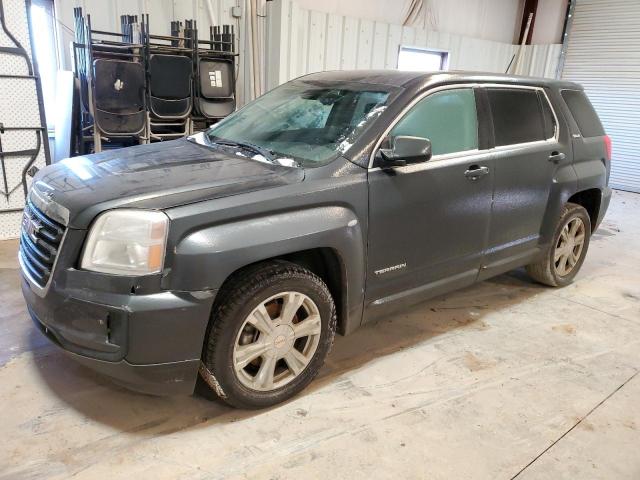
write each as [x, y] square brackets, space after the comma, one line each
[136, 87]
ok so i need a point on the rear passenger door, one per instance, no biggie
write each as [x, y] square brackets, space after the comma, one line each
[526, 157]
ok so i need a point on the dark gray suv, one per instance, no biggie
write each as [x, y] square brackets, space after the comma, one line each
[331, 200]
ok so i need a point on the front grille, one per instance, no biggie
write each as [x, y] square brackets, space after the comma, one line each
[40, 239]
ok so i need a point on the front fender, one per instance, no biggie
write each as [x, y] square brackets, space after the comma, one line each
[204, 258]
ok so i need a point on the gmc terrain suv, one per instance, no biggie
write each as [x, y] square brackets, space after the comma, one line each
[236, 254]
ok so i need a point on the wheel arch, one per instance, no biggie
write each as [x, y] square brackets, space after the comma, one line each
[324, 262]
[590, 199]
[327, 240]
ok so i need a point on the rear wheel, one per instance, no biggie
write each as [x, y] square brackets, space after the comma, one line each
[270, 333]
[565, 256]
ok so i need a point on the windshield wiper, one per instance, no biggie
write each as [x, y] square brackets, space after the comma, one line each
[265, 152]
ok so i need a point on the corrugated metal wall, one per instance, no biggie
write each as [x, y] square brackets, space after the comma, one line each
[497, 20]
[603, 55]
[310, 41]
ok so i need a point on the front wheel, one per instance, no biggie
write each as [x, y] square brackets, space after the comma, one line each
[565, 255]
[271, 330]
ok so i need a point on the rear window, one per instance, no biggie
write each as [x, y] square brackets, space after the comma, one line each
[583, 113]
[517, 116]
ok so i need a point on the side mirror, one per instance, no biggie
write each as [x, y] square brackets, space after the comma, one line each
[405, 150]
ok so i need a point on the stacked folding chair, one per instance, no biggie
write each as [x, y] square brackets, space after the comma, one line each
[118, 100]
[136, 87]
[216, 78]
[169, 63]
[170, 98]
[112, 85]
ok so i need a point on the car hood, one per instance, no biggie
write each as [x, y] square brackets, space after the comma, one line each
[154, 176]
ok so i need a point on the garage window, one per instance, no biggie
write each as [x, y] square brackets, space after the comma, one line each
[414, 59]
[446, 118]
[517, 116]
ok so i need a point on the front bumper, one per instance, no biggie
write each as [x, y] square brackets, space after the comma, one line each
[149, 342]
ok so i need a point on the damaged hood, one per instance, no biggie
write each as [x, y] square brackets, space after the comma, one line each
[155, 176]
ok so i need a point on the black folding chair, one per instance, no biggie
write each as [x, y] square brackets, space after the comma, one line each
[170, 86]
[119, 97]
[216, 86]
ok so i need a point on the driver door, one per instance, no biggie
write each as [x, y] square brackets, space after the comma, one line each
[428, 221]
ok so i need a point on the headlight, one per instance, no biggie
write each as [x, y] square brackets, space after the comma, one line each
[126, 242]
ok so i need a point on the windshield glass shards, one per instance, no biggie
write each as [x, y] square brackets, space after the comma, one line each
[302, 123]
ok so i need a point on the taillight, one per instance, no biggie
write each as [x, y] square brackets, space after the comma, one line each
[607, 144]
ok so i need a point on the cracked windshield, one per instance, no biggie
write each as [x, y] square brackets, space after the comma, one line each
[301, 123]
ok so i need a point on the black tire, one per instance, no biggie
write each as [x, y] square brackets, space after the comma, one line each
[242, 293]
[544, 271]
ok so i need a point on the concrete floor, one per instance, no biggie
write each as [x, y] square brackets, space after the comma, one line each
[505, 379]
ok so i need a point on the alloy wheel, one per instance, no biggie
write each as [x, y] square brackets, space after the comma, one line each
[569, 246]
[277, 341]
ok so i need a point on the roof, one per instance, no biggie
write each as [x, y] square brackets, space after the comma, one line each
[397, 78]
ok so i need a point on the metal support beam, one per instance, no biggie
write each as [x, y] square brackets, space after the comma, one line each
[568, 23]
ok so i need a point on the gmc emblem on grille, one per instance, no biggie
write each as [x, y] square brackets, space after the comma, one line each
[31, 226]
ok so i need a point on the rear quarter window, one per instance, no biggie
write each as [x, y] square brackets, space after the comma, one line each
[549, 119]
[583, 113]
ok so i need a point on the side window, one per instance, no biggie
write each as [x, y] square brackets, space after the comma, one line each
[547, 115]
[447, 118]
[517, 116]
[583, 113]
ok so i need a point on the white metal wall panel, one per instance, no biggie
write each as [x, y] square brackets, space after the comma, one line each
[394, 39]
[365, 44]
[603, 55]
[317, 31]
[319, 41]
[349, 43]
[497, 20]
[379, 54]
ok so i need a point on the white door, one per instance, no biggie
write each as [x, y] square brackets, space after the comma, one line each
[603, 56]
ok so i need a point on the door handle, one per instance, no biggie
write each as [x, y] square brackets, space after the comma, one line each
[556, 157]
[474, 172]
